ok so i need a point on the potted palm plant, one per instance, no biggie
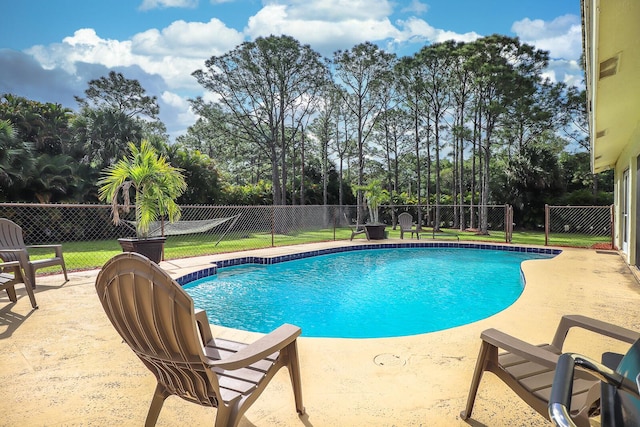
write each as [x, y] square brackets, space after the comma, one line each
[156, 184]
[375, 195]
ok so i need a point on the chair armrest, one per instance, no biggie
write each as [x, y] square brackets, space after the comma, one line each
[21, 254]
[598, 326]
[258, 350]
[521, 348]
[57, 248]
[202, 322]
[9, 264]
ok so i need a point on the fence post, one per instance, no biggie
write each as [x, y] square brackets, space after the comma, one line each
[335, 223]
[612, 220]
[508, 223]
[546, 225]
[273, 225]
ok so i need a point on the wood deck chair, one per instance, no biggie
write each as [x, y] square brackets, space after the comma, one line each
[356, 229]
[156, 318]
[8, 281]
[528, 369]
[405, 220]
[11, 240]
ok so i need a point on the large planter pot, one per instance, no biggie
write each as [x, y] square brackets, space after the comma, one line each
[150, 247]
[375, 231]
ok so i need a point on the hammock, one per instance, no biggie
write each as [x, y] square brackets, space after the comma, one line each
[161, 228]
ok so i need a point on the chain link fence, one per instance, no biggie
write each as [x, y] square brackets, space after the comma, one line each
[89, 237]
[461, 218]
[579, 226]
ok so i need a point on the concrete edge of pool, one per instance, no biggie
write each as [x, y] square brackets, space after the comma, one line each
[65, 365]
[266, 260]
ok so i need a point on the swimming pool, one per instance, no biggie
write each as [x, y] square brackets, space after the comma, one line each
[366, 293]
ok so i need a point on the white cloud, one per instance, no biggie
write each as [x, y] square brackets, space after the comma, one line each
[335, 10]
[155, 4]
[185, 116]
[192, 39]
[83, 46]
[567, 71]
[173, 52]
[562, 37]
[418, 29]
[416, 7]
[323, 35]
[330, 25]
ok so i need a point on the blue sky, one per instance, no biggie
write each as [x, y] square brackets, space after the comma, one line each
[50, 49]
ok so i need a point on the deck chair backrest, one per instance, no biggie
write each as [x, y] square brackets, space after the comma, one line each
[155, 317]
[10, 238]
[405, 220]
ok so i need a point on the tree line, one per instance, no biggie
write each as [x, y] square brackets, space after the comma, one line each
[455, 123]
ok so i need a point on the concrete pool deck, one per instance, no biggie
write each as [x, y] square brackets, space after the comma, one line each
[65, 365]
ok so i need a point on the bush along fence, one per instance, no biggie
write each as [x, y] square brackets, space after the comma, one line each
[89, 237]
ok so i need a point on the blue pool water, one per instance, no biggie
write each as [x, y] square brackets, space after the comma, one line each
[365, 294]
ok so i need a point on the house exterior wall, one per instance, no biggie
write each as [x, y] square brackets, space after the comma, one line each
[627, 161]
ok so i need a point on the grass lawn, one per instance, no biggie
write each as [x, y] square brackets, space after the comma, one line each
[93, 254]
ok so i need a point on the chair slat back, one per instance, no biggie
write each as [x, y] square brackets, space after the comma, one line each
[10, 238]
[155, 317]
[405, 220]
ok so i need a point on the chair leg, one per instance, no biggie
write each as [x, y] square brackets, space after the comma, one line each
[11, 291]
[294, 374]
[32, 297]
[475, 382]
[159, 396]
[64, 270]
[30, 271]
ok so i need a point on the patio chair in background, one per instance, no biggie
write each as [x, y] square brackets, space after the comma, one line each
[8, 281]
[11, 243]
[405, 220]
[356, 228]
[528, 369]
[156, 318]
[620, 397]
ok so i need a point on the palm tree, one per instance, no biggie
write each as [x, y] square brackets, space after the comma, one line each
[15, 157]
[156, 183]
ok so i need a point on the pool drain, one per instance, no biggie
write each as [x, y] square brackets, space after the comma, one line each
[388, 359]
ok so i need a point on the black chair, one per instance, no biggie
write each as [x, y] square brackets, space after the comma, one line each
[619, 398]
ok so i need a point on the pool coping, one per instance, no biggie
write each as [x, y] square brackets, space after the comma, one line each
[266, 260]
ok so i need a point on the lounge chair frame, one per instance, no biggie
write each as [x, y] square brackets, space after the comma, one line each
[12, 244]
[8, 281]
[156, 318]
[405, 221]
[356, 229]
[528, 369]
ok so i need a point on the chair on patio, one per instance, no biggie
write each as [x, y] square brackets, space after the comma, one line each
[356, 228]
[405, 220]
[528, 369]
[8, 281]
[156, 318]
[12, 244]
[620, 397]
